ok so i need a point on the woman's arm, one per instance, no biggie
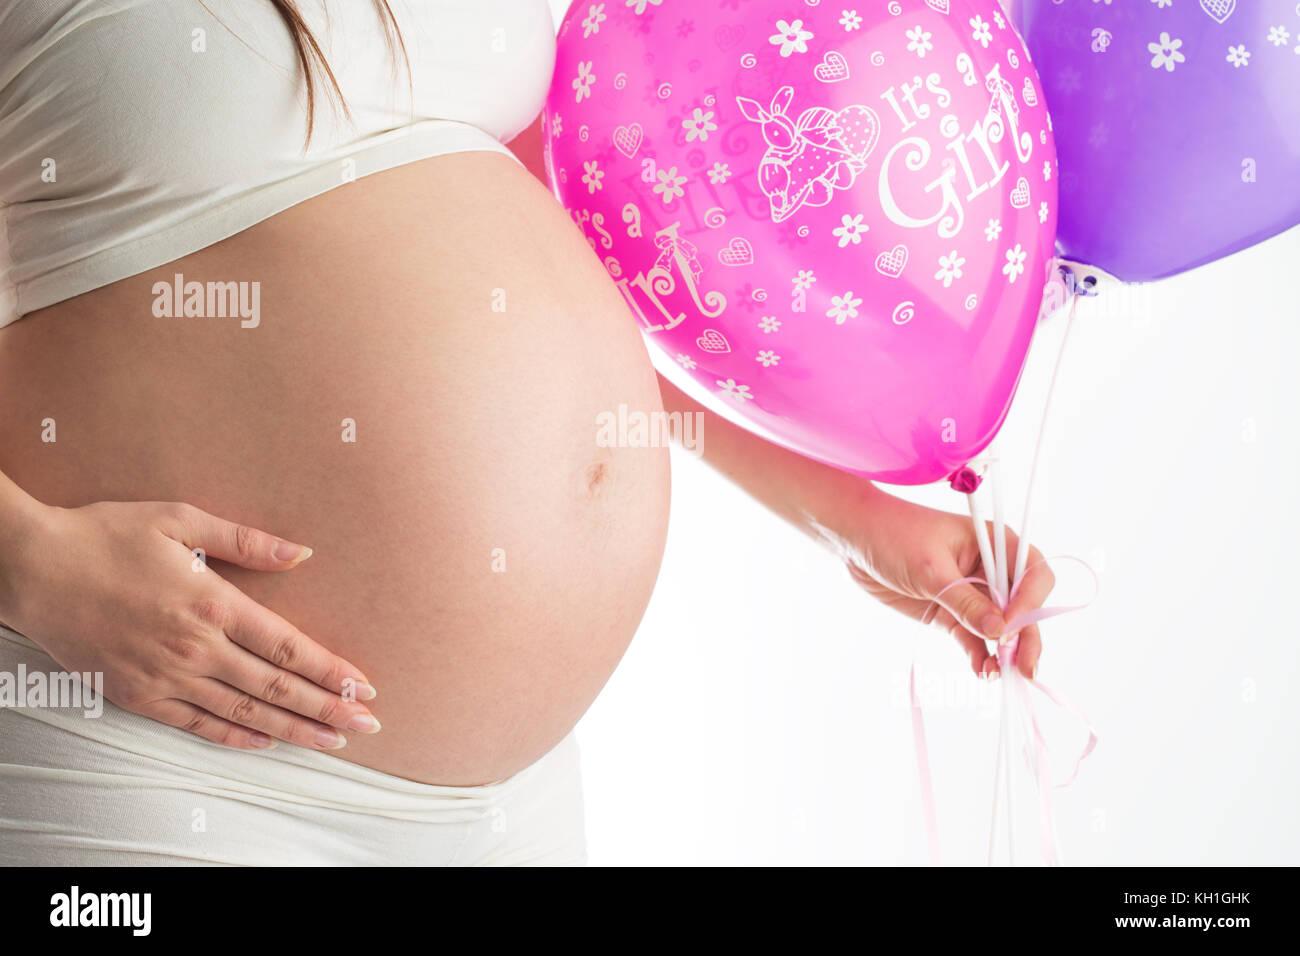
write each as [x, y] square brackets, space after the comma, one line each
[527, 147]
[902, 553]
[116, 588]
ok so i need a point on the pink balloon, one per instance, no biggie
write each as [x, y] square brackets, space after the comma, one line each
[835, 228]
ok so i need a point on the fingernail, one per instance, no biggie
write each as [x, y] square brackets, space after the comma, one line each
[330, 739]
[364, 724]
[1033, 671]
[284, 551]
[994, 675]
[262, 741]
[992, 625]
[364, 691]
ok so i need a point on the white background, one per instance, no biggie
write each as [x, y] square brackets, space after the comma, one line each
[760, 716]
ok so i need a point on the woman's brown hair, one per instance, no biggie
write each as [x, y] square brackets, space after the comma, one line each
[313, 61]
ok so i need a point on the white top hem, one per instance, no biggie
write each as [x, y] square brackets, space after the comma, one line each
[422, 140]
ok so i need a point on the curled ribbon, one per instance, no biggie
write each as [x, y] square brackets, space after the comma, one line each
[1040, 762]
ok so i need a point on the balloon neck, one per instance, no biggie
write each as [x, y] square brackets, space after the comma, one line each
[1076, 286]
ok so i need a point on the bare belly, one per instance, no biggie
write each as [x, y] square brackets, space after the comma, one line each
[477, 552]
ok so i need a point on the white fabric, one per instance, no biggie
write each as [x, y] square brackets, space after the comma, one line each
[134, 132]
[122, 790]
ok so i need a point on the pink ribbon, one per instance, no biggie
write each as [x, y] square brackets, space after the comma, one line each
[1007, 664]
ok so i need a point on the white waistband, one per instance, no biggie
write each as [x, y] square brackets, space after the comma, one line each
[154, 753]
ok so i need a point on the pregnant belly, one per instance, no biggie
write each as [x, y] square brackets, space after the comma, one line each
[418, 402]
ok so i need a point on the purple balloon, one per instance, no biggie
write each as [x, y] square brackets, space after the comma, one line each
[1177, 124]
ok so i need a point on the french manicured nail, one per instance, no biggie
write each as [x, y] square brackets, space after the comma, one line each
[262, 741]
[364, 724]
[1033, 671]
[992, 625]
[284, 551]
[330, 739]
[364, 691]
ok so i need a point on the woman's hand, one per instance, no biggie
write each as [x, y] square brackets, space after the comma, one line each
[905, 555]
[118, 588]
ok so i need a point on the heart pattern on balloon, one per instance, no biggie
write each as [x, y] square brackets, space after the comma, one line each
[711, 340]
[1219, 10]
[941, 5]
[627, 139]
[832, 68]
[738, 252]
[892, 263]
[1020, 195]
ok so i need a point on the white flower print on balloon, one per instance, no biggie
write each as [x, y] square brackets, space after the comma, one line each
[851, 230]
[980, 32]
[918, 41]
[1238, 55]
[1047, 170]
[740, 393]
[1162, 3]
[557, 125]
[804, 280]
[592, 176]
[1042, 212]
[1015, 264]
[949, 268]
[992, 230]
[791, 37]
[768, 358]
[583, 81]
[640, 5]
[1166, 53]
[719, 173]
[699, 125]
[595, 17]
[669, 185]
[843, 307]
[769, 323]
[850, 20]
[1278, 36]
[686, 360]
[997, 18]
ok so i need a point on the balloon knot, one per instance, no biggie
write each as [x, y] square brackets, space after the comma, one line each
[965, 480]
